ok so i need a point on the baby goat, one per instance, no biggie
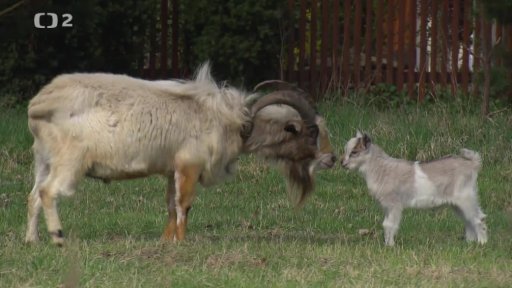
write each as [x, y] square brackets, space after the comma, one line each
[399, 184]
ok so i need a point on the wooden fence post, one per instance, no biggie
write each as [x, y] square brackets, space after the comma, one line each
[423, 49]
[368, 43]
[175, 39]
[346, 75]
[379, 47]
[313, 86]
[411, 42]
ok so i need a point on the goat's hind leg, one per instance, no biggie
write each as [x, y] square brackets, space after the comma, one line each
[62, 180]
[41, 171]
[476, 229]
[470, 233]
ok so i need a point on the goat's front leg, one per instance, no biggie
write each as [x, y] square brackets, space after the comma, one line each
[185, 179]
[180, 195]
[34, 205]
[391, 224]
[170, 228]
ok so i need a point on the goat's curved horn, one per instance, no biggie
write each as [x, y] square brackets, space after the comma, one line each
[278, 85]
[286, 97]
[290, 98]
[281, 85]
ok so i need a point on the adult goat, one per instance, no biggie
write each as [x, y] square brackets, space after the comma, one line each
[114, 127]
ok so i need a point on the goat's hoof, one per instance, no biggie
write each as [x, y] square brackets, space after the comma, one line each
[482, 241]
[58, 238]
[167, 237]
[58, 242]
[166, 240]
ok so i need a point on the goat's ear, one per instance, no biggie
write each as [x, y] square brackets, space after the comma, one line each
[314, 131]
[293, 127]
[358, 134]
[367, 141]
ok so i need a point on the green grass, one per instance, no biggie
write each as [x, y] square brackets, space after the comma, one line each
[244, 233]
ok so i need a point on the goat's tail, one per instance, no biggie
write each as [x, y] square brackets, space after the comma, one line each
[472, 156]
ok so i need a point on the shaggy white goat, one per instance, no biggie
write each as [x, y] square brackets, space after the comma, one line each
[115, 127]
[399, 184]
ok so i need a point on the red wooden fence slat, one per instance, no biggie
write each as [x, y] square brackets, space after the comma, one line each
[499, 31]
[411, 63]
[335, 43]
[291, 41]
[152, 48]
[486, 49]
[164, 16]
[499, 38]
[175, 38]
[400, 48]
[423, 48]
[357, 44]
[445, 16]
[390, 42]
[466, 45]
[302, 43]
[312, 47]
[487, 34]
[508, 45]
[325, 44]
[454, 44]
[379, 41]
[509, 37]
[434, 43]
[477, 40]
[368, 42]
[346, 75]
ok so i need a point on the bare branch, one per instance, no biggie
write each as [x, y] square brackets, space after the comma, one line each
[11, 8]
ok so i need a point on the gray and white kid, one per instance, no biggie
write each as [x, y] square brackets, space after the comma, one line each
[399, 184]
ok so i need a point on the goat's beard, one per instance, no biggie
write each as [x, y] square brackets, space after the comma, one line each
[299, 180]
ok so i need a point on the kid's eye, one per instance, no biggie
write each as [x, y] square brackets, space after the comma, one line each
[353, 153]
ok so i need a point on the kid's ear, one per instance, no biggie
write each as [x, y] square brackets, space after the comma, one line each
[358, 134]
[367, 141]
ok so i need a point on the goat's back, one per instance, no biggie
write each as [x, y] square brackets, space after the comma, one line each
[449, 166]
[451, 173]
[128, 124]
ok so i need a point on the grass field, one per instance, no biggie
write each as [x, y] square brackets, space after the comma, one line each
[244, 233]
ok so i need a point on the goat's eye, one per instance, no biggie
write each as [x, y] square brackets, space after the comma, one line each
[353, 153]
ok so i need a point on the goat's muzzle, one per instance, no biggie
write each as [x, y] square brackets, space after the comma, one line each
[326, 161]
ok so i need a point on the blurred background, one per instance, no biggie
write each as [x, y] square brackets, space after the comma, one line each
[416, 49]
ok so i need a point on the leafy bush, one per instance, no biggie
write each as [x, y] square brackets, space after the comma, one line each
[499, 9]
[242, 39]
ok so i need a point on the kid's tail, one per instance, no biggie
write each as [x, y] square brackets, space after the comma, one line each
[472, 156]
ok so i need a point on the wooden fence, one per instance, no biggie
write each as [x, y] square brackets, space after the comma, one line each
[415, 45]
[412, 44]
[157, 62]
